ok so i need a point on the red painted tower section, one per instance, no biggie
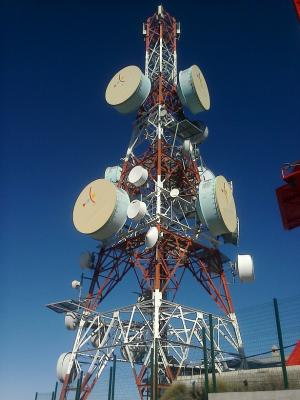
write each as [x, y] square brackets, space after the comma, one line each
[297, 7]
[288, 196]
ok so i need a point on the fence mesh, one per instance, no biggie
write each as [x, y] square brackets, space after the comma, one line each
[263, 368]
[44, 396]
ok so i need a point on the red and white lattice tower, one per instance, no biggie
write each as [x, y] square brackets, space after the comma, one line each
[166, 234]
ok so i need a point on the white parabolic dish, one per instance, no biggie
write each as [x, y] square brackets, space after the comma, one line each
[62, 367]
[101, 209]
[138, 176]
[128, 89]
[75, 284]
[193, 91]
[216, 207]
[71, 321]
[151, 237]
[136, 210]
[245, 267]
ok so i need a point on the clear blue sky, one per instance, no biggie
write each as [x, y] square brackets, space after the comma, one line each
[57, 134]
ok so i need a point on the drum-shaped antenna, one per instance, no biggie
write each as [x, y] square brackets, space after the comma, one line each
[245, 268]
[187, 148]
[113, 174]
[71, 321]
[216, 207]
[101, 209]
[151, 237]
[75, 284]
[136, 210]
[62, 367]
[128, 89]
[192, 90]
[138, 176]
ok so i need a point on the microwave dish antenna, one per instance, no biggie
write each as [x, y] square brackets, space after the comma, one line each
[128, 89]
[193, 90]
[101, 209]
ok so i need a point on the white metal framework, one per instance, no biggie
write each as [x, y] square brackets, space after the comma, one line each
[129, 332]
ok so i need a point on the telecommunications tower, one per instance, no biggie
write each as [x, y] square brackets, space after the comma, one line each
[161, 214]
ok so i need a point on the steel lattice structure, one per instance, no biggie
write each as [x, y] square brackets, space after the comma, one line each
[155, 323]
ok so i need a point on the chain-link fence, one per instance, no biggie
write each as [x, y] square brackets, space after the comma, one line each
[44, 396]
[269, 359]
[124, 387]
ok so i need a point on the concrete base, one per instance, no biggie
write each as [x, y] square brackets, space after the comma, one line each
[261, 395]
[250, 380]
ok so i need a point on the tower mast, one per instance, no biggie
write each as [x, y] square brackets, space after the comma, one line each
[159, 222]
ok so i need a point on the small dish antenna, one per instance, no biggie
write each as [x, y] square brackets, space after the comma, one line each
[136, 210]
[75, 284]
[138, 176]
[174, 193]
[71, 321]
[62, 367]
[151, 237]
[245, 268]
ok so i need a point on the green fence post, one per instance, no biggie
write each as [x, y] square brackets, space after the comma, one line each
[212, 354]
[109, 384]
[36, 395]
[205, 361]
[55, 391]
[280, 341]
[113, 378]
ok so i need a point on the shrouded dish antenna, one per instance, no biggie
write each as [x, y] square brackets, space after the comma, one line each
[187, 148]
[101, 209]
[62, 367]
[71, 321]
[174, 193]
[128, 90]
[245, 268]
[137, 210]
[192, 90]
[151, 237]
[216, 207]
[138, 176]
[113, 174]
[75, 284]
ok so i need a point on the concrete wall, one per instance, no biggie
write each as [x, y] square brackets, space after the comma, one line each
[250, 380]
[266, 395]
